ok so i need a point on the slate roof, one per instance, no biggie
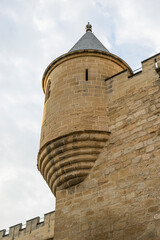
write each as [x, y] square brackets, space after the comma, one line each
[88, 41]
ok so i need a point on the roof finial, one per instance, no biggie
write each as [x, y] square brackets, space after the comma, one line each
[88, 27]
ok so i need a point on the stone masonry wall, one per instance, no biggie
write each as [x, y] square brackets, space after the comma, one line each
[74, 128]
[34, 229]
[76, 104]
[120, 198]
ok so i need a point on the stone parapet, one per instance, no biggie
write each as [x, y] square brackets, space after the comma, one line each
[34, 229]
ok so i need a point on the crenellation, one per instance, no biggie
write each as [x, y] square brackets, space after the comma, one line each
[32, 224]
[2, 233]
[33, 228]
[48, 218]
[14, 230]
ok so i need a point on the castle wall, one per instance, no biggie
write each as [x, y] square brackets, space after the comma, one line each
[34, 229]
[120, 198]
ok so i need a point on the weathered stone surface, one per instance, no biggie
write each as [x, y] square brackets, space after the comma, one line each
[125, 198]
[75, 120]
[66, 161]
[34, 229]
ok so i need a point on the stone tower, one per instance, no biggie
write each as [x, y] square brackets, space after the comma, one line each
[75, 121]
[100, 144]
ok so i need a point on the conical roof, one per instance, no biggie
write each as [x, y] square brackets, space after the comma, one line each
[88, 41]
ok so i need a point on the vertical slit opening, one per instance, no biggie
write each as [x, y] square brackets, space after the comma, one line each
[156, 64]
[86, 74]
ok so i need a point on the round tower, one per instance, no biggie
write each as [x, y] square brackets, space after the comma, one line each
[75, 122]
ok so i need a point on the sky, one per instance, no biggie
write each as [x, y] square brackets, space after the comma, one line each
[32, 34]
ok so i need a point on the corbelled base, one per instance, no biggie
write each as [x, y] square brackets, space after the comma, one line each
[67, 160]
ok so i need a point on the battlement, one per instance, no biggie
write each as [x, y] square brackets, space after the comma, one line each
[118, 85]
[151, 62]
[33, 229]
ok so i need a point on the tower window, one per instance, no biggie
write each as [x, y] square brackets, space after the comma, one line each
[86, 74]
[47, 94]
[156, 64]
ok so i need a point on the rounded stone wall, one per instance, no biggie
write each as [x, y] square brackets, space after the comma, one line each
[75, 105]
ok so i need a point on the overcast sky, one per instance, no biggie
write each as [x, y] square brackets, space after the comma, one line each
[32, 34]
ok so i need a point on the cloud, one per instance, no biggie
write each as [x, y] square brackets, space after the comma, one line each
[133, 28]
[25, 196]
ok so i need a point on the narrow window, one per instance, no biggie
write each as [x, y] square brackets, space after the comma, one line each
[86, 74]
[156, 64]
[47, 94]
